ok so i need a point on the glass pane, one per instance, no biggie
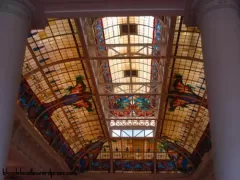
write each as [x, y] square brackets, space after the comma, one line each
[149, 133]
[116, 133]
[138, 133]
[127, 133]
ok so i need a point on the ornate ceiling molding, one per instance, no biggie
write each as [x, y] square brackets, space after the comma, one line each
[21, 8]
[205, 170]
[196, 9]
[27, 141]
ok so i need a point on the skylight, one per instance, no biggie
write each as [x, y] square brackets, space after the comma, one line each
[132, 133]
[131, 46]
[122, 94]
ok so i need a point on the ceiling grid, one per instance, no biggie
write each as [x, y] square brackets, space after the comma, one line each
[128, 95]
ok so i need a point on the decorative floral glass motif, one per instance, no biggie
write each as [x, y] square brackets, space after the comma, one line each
[111, 42]
[40, 113]
[122, 103]
[54, 119]
[98, 28]
[125, 105]
[75, 96]
[133, 165]
[181, 159]
[143, 106]
[99, 34]
[45, 125]
[156, 48]
[183, 95]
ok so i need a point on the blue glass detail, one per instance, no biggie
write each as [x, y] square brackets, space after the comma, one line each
[156, 52]
[38, 48]
[101, 42]
[160, 166]
[43, 60]
[32, 34]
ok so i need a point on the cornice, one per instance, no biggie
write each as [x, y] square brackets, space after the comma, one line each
[196, 9]
[21, 8]
[205, 168]
[33, 145]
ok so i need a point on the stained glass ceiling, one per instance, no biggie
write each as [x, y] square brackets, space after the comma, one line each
[139, 79]
[144, 35]
[52, 64]
[185, 119]
[132, 72]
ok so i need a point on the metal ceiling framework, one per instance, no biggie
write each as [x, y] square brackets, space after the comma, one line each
[110, 48]
[186, 125]
[69, 48]
[49, 72]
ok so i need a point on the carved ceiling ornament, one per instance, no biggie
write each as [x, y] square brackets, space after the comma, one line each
[21, 8]
[196, 9]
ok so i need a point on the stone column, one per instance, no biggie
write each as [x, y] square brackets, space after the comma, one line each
[14, 28]
[219, 24]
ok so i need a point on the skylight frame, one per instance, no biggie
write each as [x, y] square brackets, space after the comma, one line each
[124, 49]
